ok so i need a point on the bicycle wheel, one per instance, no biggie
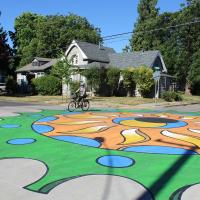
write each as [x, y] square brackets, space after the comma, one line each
[85, 105]
[71, 106]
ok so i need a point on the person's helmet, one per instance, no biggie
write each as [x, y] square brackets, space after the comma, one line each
[82, 84]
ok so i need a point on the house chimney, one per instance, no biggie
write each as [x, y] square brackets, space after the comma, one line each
[100, 46]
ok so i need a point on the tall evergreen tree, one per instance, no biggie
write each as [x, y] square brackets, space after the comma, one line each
[4, 52]
[194, 74]
[186, 41]
[147, 9]
[146, 21]
[178, 45]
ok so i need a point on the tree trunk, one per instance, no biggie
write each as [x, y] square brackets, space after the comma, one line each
[129, 93]
[188, 88]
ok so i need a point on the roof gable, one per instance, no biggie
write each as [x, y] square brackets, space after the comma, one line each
[30, 67]
[93, 52]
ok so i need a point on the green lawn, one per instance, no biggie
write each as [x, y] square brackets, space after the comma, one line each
[97, 100]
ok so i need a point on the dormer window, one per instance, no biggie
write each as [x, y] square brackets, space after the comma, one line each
[35, 63]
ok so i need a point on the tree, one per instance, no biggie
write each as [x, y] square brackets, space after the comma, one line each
[5, 52]
[140, 77]
[178, 44]
[25, 37]
[62, 70]
[93, 78]
[147, 9]
[113, 75]
[46, 36]
[187, 42]
[146, 21]
[194, 74]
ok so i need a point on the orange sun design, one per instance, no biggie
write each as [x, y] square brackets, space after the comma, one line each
[129, 130]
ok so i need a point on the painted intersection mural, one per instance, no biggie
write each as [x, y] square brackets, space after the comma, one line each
[109, 154]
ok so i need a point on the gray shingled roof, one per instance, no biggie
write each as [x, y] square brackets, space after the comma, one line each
[32, 68]
[133, 59]
[94, 52]
[43, 59]
[93, 64]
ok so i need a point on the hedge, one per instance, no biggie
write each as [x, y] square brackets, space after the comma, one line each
[47, 85]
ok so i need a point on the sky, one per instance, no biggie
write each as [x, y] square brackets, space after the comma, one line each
[111, 16]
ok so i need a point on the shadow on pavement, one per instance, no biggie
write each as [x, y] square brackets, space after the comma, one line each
[163, 180]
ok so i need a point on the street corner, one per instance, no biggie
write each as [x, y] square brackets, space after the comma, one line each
[53, 152]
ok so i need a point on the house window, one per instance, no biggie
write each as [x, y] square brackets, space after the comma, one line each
[74, 59]
[39, 74]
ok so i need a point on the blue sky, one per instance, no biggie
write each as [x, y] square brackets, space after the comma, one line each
[111, 16]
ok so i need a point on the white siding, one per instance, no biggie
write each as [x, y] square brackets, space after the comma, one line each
[39, 74]
[21, 78]
[75, 51]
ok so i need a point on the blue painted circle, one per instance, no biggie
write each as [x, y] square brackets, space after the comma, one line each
[159, 150]
[40, 128]
[10, 126]
[115, 161]
[47, 119]
[20, 141]
[78, 140]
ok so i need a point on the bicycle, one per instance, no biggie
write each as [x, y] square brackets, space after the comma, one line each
[84, 103]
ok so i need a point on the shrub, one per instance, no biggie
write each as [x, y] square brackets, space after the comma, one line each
[93, 77]
[143, 77]
[47, 85]
[171, 96]
[97, 79]
[113, 75]
[128, 80]
[11, 85]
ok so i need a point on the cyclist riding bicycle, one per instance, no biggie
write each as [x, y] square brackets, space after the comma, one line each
[79, 100]
[81, 92]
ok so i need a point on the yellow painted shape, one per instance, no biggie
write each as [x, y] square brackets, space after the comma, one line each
[162, 115]
[141, 124]
[185, 138]
[77, 123]
[131, 136]
[188, 117]
[93, 129]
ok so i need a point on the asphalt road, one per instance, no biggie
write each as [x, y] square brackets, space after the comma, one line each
[186, 108]
[14, 104]
[8, 108]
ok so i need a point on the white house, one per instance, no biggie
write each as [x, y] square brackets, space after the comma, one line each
[85, 55]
